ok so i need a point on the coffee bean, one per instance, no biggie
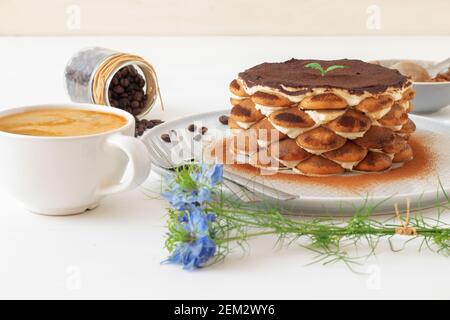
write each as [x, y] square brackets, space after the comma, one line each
[138, 96]
[135, 104]
[118, 89]
[126, 91]
[166, 138]
[124, 103]
[204, 130]
[223, 119]
[143, 125]
[124, 82]
[114, 103]
[192, 127]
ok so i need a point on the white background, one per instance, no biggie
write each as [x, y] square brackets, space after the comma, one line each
[115, 251]
[224, 17]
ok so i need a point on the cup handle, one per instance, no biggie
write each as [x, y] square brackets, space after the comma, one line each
[138, 162]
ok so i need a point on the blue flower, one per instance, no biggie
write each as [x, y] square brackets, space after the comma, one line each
[208, 175]
[192, 218]
[205, 179]
[194, 254]
[203, 195]
[211, 217]
[187, 193]
[184, 199]
[198, 248]
[176, 198]
[215, 174]
[197, 223]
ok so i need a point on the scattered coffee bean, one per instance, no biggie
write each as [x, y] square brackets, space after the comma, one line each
[165, 137]
[223, 119]
[192, 127]
[144, 124]
[204, 130]
[157, 121]
[139, 132]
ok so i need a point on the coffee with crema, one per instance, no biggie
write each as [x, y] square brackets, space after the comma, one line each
[61, 122]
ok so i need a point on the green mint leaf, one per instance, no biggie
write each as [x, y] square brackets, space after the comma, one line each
[316, 66]
[313, 65]
[331, 68]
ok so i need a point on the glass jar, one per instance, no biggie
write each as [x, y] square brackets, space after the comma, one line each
[89, 73]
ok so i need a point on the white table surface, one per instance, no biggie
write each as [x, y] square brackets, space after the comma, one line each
[115, 250]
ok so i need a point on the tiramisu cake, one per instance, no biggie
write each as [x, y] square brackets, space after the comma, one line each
[316, 117]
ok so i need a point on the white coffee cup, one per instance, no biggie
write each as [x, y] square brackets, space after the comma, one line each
[69, 175]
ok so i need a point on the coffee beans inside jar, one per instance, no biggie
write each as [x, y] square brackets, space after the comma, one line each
[107, 77]
[126, 91]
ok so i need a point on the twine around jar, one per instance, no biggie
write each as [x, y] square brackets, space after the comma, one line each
[111, 65]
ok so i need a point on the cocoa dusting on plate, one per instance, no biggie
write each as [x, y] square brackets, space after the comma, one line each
[423, 164]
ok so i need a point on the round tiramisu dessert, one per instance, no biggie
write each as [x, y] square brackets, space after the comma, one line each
[316, 117]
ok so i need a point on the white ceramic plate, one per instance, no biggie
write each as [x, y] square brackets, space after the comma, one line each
[422, 188]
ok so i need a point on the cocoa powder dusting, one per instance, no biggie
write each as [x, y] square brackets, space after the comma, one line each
[423, 164]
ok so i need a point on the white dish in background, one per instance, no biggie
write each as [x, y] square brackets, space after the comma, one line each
[430, 96]
[423, 191]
